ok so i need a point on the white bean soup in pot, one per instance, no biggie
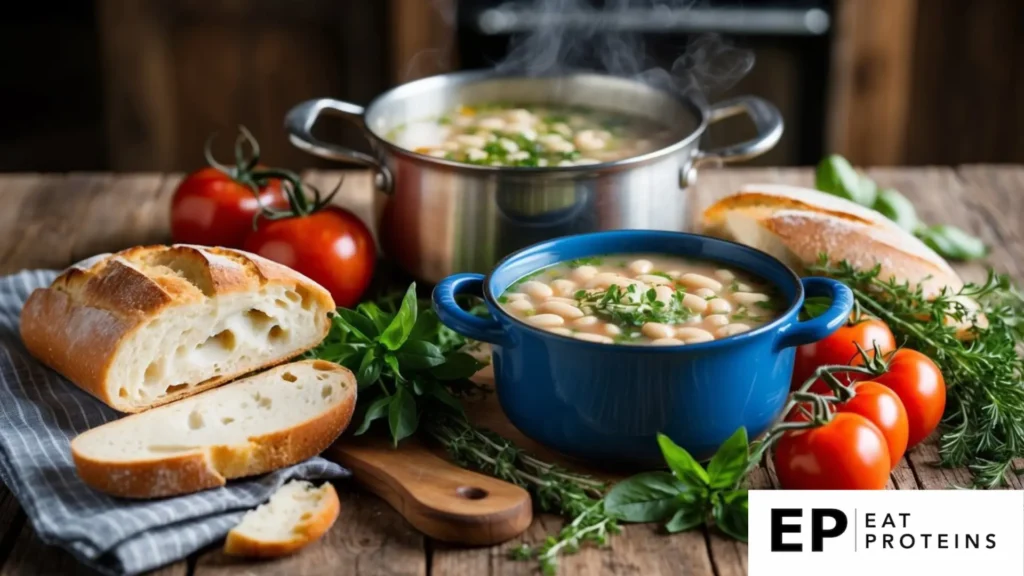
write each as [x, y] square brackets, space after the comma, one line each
[642, 299]
[534, 136]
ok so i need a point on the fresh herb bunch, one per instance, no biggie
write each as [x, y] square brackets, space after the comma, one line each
[984, 423]
[630, 306]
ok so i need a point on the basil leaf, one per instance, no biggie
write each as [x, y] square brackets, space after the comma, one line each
[836, 176]
[392, 363]
[341, 352]
[898, 208]
[682, 464]
[815, 306]
[359, 326]
[441, 394]
[369, 369]
[401, 325]
[952, 242]
[376, 411]
[457, 366]
[730, 461]
[646, 497]
[402, 417]
[426, 326]
[686, 518]
[380, 318]
[419, 355]
[731, 514]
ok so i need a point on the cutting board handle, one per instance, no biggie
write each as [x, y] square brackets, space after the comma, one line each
[440, 499]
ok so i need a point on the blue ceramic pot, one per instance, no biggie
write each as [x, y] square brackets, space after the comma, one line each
[606, 402]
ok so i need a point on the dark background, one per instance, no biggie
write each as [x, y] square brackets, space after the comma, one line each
[138, 85]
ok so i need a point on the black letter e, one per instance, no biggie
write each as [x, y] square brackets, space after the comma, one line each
[779, 528]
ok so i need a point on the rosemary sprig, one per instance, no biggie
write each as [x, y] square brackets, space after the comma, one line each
[984, 423]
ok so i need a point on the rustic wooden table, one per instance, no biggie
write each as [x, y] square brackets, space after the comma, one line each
[50, 221]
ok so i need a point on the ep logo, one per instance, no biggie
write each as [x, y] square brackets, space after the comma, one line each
[824, 523]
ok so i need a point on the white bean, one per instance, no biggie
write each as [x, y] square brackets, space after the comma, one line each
[589, 141]
[509, 145]
[606, 279]
[513, 296]
[666, 342]
[695, 303]
[664, 293]
[674, 274]
[640, 266]
[564, 310]
[587, 336]
[536, 289]
[612, 330]
[476, 154]
[699, 339]
[700, 281]
[585, 321]
[716, 320]
[749, 297]
[520, 115]
[568, 301]
[653, 279]
[725, 275]
[654, 330]
[731, 330]
[719, 306]
[560, 331]
[563, 287]
[491, 123]
[521, 305]
[545, 320]
[705, 292]
[688, 332]
[741, 287]
[584, 273]
[471, 141]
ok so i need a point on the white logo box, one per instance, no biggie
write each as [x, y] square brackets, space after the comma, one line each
[911, 532]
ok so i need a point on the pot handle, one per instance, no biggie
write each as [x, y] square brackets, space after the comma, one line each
[800, 333]
[299, 121]
[453, 316]
[767, 120]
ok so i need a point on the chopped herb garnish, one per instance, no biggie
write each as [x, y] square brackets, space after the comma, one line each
[503, 299]
[631, 307]
[767, 305]
[587, 261]
[660, 273]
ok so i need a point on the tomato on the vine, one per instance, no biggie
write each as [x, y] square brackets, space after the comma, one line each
[330, 245]
[215, 206]
[848, 453]
[840, 347]
[883, 408]
[919, 384]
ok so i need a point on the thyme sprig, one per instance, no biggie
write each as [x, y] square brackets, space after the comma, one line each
[984, 423]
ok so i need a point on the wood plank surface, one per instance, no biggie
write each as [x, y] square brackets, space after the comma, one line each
[54, 220]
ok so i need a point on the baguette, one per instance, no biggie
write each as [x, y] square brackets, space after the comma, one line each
[150, 325]
[796, 225]
[296, 515]
[251, 426]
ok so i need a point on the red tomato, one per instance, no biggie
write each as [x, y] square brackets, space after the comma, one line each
[919, 384]
[212, 209]
[331, 246]
[885, 410]
[839, 348]
[848, 453]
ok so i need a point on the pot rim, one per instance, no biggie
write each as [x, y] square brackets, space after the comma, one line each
[784, 318]
[471, 76]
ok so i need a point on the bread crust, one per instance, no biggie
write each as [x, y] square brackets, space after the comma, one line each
[212, 466]
[305, 533]
[77, 325]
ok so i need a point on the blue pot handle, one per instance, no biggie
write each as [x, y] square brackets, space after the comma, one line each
[451, 315]
[815, 329]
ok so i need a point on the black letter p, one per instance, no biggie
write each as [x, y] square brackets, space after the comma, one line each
[818, 532]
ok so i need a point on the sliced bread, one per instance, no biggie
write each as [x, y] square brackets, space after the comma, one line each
[153, 324]
[296, 515]
[250, 426]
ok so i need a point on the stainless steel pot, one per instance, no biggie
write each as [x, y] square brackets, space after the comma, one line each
[437, 217]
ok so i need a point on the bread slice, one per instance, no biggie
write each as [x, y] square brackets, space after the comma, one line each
[796, 225]
[149, 325]
[251, 426]
[296, 515]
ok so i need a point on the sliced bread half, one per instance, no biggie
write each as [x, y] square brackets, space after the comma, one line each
[251, 426]
[296, 515]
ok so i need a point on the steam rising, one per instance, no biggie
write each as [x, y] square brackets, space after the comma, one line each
[571, 36]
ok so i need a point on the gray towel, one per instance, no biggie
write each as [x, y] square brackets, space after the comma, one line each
[40, 412]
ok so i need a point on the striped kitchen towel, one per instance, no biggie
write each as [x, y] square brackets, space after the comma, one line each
[40, 412]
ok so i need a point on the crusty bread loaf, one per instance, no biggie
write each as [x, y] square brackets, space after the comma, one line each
[796, 225]
[251, 426]
[149, 325]
[296, 515]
